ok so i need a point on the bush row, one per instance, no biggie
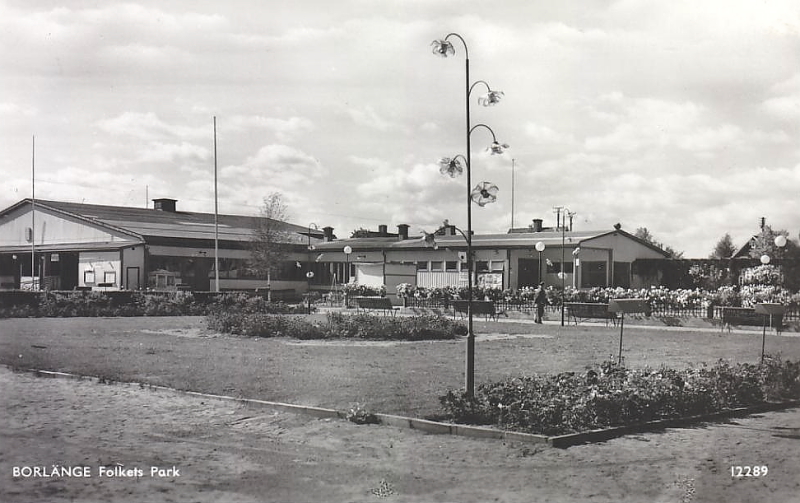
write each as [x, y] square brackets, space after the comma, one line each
[336, 326]
[609, 395]
[93, 304]
[659, 297]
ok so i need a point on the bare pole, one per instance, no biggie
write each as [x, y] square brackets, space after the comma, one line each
[513, 162]
[33, 213]
[216, 214]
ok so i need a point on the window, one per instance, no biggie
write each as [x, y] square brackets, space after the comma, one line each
[88, 277]
[422, 266]
[498, 265]
[451, 266]
[482, 266]
[110, 277]
[436, 265]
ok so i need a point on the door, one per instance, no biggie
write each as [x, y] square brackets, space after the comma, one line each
[528, 270]
[132, 278]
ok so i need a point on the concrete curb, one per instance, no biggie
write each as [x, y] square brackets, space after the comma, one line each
[609, 433]
[439, 428]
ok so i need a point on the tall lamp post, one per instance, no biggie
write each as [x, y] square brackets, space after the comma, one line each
[561, 273]
[309, 273]
[482, 194]
[346, 276]
[540, 248]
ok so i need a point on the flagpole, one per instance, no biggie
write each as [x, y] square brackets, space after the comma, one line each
[216, 214]
[33, 213]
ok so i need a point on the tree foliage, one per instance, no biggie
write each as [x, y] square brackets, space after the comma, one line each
[724, 247]
[269, 242]
[763, 243]
[645, 235]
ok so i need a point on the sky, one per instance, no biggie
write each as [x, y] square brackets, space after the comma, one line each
[682, 117]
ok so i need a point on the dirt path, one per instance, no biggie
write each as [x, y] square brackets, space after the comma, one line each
[226, 452]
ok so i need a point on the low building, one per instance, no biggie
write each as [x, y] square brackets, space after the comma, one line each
[580, 259]
[62, 245]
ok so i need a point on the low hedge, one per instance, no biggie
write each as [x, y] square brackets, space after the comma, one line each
[609, 395]
[336, 326]
[64, 304]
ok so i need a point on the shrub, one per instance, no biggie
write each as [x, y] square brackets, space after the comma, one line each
[609, 395]
[357, 326]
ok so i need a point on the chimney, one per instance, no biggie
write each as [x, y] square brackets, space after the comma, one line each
[327, 233]
[537, 225]
[164, 204]
[402, 231]
[383, 230]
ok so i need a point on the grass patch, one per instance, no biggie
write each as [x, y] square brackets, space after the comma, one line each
[404, 379]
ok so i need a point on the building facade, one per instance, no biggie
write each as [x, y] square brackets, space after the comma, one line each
[579, 259]
[61, 245]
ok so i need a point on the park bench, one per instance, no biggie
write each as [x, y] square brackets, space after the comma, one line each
[479, 307]
[376, 304]
[748, 316]
[581, 311]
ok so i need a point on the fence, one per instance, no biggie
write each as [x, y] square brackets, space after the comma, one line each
[792, 311]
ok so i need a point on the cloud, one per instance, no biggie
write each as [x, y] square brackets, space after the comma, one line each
[545, 135]
[284, 129]
[171, 152]
[279, 166]
[367, 116]
[148, 126]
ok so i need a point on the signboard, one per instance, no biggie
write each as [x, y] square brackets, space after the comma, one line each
[490, 280]
[770, 308]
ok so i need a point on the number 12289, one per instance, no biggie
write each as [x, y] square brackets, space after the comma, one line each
[749, 471]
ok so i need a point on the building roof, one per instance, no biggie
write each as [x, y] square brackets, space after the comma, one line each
[550, 239]
[149, 223]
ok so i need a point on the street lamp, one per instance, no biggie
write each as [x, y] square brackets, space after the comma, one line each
[540, 248]
[346, 276]
[561, 273]
[309, 273]
[482, 194]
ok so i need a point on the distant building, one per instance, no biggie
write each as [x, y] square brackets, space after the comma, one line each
[101, 247]
[587, 258]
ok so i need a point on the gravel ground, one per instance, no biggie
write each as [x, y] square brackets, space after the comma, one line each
[231, 453]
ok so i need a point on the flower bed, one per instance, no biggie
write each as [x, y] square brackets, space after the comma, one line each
[662, 300]
[337, 326]
[609, 395]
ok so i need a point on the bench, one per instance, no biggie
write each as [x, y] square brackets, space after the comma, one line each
[479, 307]
[377, 304]
[581, 311]
[749, 316]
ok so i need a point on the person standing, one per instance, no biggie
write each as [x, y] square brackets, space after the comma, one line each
[540, 299]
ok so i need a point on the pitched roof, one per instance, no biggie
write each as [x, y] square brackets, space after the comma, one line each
[506, 240]
[145, 222]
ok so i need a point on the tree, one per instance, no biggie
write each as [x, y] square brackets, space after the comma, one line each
[645, 235]
[360, 233]
[787, 258]
[269, 243]
[724, 248]
[763, 243]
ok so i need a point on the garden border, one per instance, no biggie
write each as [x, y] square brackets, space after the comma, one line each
[435, 427]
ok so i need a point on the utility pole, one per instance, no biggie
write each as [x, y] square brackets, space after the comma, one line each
[557, 211]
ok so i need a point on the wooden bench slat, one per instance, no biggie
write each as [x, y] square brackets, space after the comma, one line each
[580, 311]
[376, 303]
[480, 307]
